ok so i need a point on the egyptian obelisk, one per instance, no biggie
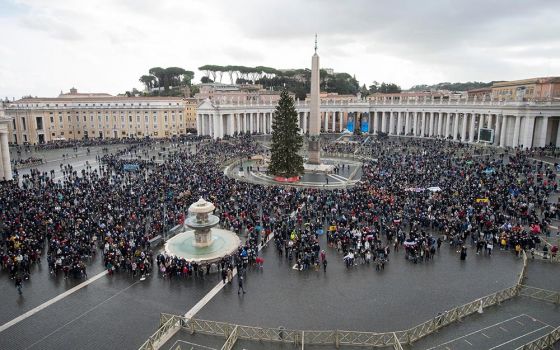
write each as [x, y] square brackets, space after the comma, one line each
[314, 151]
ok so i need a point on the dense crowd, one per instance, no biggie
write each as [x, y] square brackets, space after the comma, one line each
[413, 196]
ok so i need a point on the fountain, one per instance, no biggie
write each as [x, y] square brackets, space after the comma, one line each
[200, 241]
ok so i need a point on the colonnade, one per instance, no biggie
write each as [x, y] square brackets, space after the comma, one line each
[512, 126]
[221, 124]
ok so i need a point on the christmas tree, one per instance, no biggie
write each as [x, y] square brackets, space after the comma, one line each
[286, 140]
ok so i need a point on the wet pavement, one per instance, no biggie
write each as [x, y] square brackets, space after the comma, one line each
[508, 326]
[361, 298]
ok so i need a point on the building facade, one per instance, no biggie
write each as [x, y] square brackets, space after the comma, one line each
[536, 89]
[513, 124]
[77, 116]
[239, 93]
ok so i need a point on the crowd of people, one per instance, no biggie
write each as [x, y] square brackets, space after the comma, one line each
[413, 195]
[26, 162]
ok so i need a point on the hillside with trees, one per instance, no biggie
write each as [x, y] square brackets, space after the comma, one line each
[170, 81]
[453, 86]
[297, 81]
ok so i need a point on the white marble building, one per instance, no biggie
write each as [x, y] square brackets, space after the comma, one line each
[527, 124]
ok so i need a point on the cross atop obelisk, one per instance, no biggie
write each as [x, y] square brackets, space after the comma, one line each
[314, 113]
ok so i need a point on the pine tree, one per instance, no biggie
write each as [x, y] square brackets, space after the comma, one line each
[286, 140]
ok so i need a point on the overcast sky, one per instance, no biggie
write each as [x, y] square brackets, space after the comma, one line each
[106, 45]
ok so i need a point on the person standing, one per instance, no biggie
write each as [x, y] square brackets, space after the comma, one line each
[19, 284]
[463, 253]
[229, 274]
[240, 283]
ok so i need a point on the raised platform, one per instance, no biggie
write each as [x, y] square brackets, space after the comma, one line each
[318, 168]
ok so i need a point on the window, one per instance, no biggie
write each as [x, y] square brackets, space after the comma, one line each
[52, 120]
[39, 121]
[23, 123]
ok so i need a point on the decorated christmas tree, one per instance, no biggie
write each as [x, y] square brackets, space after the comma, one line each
[286, 140]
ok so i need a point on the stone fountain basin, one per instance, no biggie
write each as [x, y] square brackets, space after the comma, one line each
[224, 242]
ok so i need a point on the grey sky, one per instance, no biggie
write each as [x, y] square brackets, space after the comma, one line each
[105, 45]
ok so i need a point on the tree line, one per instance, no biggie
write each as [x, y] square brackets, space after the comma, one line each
[297, 81]
[161, 80]
[470, 85]
[176, 81]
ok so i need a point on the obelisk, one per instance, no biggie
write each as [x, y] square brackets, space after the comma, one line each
[314, 151]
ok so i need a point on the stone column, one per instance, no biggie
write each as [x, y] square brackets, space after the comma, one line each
[423, 114]
[504, 131]
[431, 124]
[516, 131]
[399, 123]
[200, 124]
[305, 122]
[544, 129]
[464, 128]
[333, 121]
[439, 130]
[528, 129]
[5, 149]
[1, 165]
[558, 136]
[497, 132]
[258, 122]
[472, 125]
[455, 125]
[231, 124]
[406, 123]
[375, 123]
[383, 121]
[340, 120]
[446, 127]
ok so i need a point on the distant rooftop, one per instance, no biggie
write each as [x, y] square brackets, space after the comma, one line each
[75, 94]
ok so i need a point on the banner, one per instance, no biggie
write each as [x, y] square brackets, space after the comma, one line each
[350, 123]
[131, 167]
[365, 123]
